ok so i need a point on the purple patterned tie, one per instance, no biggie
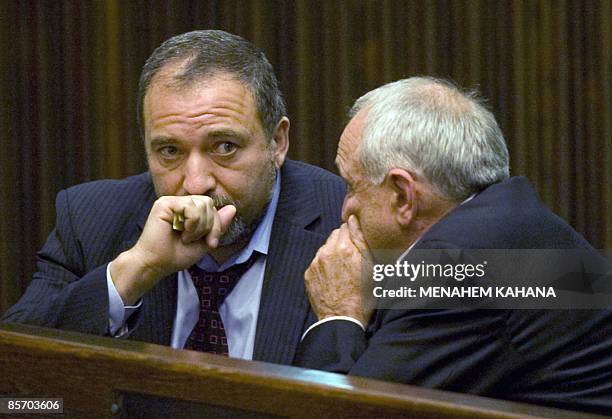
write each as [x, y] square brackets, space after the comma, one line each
[208, 335]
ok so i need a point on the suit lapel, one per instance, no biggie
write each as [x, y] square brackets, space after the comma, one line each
[284, 306]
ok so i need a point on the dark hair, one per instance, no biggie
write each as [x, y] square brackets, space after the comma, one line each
[208, 52]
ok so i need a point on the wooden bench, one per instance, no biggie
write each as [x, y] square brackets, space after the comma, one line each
[103, 377]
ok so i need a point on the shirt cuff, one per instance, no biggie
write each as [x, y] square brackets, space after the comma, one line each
[327, 319]
[117, 312]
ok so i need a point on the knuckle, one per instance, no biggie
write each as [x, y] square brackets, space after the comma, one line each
[345, 250]
[322, 253]
[207, 201]
[162, 200]
[315, 264]
[193, 201]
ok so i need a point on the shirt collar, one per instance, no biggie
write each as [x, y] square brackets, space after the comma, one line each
[468, 199]
[259, 242]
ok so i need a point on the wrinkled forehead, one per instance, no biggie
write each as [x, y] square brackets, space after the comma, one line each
[349, 146]
[217, 88]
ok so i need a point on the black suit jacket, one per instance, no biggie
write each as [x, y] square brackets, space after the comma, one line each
[96, 221]
[558, 358]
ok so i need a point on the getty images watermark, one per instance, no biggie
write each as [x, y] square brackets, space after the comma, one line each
[493, 279]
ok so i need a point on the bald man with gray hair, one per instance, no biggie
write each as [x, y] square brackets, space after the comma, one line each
[427, 171]
[435, 130]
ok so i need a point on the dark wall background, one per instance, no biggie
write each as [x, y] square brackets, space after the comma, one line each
[69, 70]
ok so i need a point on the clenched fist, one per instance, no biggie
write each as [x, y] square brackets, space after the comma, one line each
[161, 251]
[338, 280]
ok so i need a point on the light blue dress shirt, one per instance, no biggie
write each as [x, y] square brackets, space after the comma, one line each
[239, 311]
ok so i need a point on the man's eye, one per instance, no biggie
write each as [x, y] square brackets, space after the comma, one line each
[224, 148]
[169, 152]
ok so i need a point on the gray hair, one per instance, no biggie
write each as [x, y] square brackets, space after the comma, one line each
[433, 129]
[208, 52]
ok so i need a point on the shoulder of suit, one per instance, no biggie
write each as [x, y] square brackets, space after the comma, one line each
[111, 192]
[312, 173]
[504, 215]
[136, 182]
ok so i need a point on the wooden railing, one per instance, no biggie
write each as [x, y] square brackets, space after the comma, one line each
[103, 377]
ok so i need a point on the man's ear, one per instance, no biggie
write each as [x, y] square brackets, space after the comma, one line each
[281, 141]
[403, 199]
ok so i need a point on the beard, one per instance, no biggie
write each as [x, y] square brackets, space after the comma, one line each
[239, 229]
[242, 226]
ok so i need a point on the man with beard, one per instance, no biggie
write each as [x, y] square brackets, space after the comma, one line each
[207, 249]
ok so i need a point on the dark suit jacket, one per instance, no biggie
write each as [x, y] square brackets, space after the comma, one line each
[96, 221]
[553, 357]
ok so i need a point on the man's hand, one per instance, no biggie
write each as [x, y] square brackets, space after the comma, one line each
[161, 251]
[338, 279]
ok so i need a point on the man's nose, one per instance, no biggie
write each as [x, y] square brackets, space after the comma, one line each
[199, 178]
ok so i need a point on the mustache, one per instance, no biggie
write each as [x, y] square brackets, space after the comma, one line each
[221, 201]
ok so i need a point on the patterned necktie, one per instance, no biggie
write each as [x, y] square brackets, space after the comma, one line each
[208, 335]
